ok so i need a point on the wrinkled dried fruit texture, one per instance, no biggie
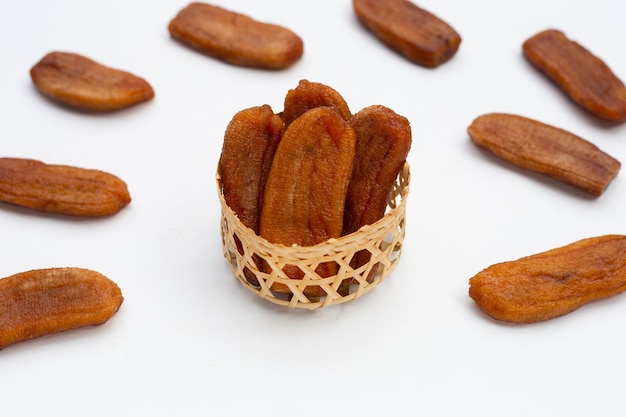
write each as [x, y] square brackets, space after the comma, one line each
[46, 301]
[553, 283]
[309, 95]
[61, 189]
[235, 38]
[77, 81]
[250, 142]
[249, 145]
[584, 77]
[545, 149]
[383, 143]
[307, 184]
[415, 33]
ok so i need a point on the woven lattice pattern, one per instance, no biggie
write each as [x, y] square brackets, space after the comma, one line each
[259, 264]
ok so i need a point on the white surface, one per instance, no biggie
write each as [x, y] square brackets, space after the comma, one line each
[190, 341]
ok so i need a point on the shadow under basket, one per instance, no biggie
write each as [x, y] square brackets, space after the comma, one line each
[259, 265]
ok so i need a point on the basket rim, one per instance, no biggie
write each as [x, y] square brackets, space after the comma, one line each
[329, 243]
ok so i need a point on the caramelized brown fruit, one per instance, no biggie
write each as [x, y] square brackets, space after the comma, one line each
[236, 38]
[584, 77]
[383, 143]
[553, 283]
[61, 189]
[306, 187]
[79, 82]
[46, 301]
[545, 149]
[250, 141]
[309, 95]
[415, 33]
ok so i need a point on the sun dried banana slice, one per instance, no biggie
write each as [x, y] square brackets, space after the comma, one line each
[552, 283]
[250, 142]
[82, 83]
[309, 95]
[236, 38]
[46, 301]
[415, 33]
[584, 77]
[61, 189]
[307, 183]
[545, 149]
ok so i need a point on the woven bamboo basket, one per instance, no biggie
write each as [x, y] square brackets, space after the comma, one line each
[258, 264]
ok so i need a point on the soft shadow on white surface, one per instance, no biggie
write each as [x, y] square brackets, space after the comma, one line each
[190, 340]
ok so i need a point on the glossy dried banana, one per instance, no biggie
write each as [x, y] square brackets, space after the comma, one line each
[412, 31]
[46, 301]
[80, 82]
[250, 142]
[309, 95]
[306, 187]
[584, 77]
[383, 144]
[61, 189]
[545, 149]
[236, 38]
[552, 283]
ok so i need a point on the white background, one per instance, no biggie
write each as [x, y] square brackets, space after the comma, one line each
[189, 340]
